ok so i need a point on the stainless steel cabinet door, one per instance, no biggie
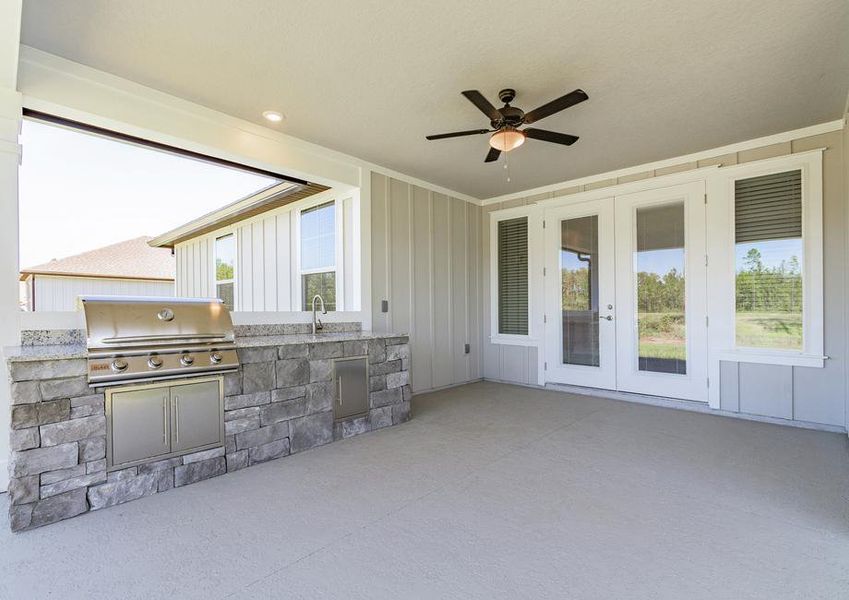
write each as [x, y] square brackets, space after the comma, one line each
[197, 418]
[138, 425]
[351, 388]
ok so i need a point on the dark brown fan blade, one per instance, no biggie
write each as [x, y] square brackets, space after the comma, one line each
[476, 98]
[550, 136]
[492, 155]
[546, 110]
[442, 136]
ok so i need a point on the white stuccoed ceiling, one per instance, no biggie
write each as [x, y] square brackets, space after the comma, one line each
[371, 78]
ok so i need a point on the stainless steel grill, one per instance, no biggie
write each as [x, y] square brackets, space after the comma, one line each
[150, 338]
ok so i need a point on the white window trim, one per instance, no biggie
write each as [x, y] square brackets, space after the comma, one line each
[722, 267]
[235, 280]
[534, 215]
[339, 258]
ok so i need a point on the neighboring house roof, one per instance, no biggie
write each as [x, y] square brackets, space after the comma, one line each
[262, 201]
[130, 259]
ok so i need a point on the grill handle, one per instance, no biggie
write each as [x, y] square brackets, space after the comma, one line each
[175, 337]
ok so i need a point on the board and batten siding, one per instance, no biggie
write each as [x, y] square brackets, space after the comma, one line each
[59, 294]
[789, 392]
[425, 261]
[266, 261]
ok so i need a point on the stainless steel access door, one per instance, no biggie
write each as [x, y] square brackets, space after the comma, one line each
[351, 387]
[139, 425]
[196, 417]
[160, 420]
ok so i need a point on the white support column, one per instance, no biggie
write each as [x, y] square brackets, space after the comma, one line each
[364, 243]
[10, 155]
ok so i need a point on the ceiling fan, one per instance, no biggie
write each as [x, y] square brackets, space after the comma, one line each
[505, 122]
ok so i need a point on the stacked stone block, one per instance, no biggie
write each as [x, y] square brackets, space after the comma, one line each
[280, 402]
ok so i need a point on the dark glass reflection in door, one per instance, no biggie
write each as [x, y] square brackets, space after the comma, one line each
[579, 290]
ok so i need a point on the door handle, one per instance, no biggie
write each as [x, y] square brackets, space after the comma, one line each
[339, 386]
[165, 419]
[176, 419]
[608, 317]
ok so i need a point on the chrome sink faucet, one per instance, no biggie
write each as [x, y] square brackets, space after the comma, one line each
[316, 323]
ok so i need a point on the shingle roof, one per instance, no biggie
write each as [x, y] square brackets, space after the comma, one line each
[130, 259]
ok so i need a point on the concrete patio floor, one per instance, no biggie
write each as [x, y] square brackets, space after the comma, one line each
[491, 491]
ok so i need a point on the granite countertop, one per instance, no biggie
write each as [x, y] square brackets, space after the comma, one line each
[76, 351]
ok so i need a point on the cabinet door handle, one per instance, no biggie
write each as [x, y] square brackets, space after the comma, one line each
[164, 419]
[176, 419]
[339, 381]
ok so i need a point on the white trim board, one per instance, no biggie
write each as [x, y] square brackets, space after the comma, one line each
[687, 405]
[760, 142]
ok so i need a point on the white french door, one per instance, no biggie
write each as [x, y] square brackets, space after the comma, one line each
[626, 293]
[661, 301]
[580, 294]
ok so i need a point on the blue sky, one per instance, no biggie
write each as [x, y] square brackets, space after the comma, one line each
[79, 192]
[654, 261]
[772, 252]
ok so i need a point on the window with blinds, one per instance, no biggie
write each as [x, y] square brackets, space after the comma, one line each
[513, 276]
[769, 249]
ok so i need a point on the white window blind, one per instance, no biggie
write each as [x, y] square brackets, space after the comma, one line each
[513, 276]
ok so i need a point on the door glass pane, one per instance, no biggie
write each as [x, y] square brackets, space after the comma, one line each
[659, 267]
[579, 290]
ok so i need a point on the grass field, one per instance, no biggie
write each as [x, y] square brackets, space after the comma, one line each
[781, 331]
[662, 335]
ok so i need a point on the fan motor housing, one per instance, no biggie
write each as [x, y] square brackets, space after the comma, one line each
[512, 116]
[506, 95]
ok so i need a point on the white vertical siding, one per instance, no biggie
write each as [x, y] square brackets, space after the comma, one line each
[60, 293]
[195, 268]
[266, 262]
[425, 257]
[283, 235]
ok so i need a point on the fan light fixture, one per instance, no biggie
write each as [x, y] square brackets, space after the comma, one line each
[273, 116]
[507, 139]
[505, 122]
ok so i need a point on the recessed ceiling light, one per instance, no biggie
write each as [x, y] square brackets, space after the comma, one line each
[273, 116]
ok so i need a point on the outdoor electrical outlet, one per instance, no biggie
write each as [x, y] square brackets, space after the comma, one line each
[468, 348]
[384, 306]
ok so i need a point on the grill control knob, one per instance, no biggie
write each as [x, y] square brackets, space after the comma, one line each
[187, 360]
[216, 357]
[119, 365]
[154, 362]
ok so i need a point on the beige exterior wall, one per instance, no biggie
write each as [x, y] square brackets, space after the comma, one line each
[425, 257]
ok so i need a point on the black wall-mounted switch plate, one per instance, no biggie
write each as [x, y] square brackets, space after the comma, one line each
[384, 306]
[468, 348]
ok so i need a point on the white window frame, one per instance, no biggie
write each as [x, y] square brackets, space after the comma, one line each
[722, 268]
[536, 243]
[339, 258]
[220, 235]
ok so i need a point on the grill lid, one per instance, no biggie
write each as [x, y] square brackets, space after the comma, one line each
[149, 338]
[122, 322]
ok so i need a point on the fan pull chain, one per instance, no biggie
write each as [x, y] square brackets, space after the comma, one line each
[507, 165]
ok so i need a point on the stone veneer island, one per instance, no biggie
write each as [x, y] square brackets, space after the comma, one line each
[279, 402]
